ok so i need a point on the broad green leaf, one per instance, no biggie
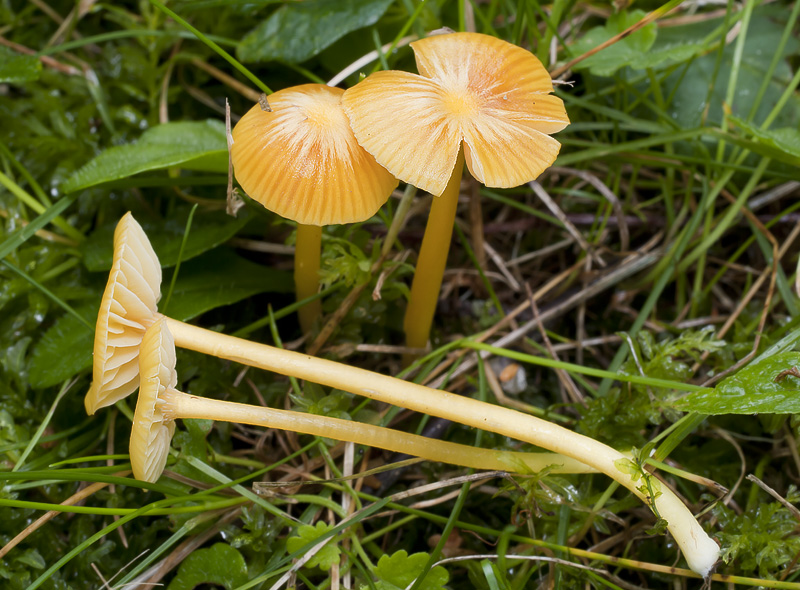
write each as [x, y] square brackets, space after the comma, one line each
[32, 558]
[689, 107]
[397, 571]
[16, 68]
[325, 557]
[220, 564]
[216, 279]
[191, 440]
[209, 229]
[753, 390]
[622, 53]
[780, 144]
[64, 350]
[221, 278]
[673, 45]
[298, 31]
[196, 145]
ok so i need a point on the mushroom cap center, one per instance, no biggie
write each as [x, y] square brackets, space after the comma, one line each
[463, 103]
[313, 119]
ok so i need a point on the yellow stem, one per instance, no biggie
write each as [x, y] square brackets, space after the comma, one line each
[183, 405]
[306, 272]
[432, 260]
[698, 548]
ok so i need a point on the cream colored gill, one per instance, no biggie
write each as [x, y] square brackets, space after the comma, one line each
[476, 89]
[153, 427]
[128, 307]
[404, 121]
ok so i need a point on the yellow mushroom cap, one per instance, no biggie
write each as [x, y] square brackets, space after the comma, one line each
[489, 95]
[302, 161]
[128, 306]
[152, 431]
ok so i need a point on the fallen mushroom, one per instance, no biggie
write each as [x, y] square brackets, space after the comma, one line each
[159, 404]
[128, 307]
[301, 160]
[700, 550]
[478, 99]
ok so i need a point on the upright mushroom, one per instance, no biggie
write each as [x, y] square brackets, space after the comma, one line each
[478, 99]
[160, 404]
[301, 160]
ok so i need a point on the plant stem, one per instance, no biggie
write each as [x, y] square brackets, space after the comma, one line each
[306, 272]
[182, 405]
[432, 260]
[699, 550]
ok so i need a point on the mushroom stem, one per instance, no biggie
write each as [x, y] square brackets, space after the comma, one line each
[700, 550]
[432, 260]
[176, 404]
[306, 272]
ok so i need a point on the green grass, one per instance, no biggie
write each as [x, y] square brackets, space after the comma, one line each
[682, 127]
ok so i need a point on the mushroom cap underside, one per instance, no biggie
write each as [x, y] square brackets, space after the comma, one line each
[151, 432]
[128, 306]
[476, 91]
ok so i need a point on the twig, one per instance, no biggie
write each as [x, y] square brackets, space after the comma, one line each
[624, 234]
[230, 81]
[610, 279]
[72, 500]
[772, 273]
[790, 507]
[563, 376]
[661, 11]
[46, 60]
[573, 231]
[366, 59]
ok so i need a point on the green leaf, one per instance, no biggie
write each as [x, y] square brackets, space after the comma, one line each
[298, 31]
[220, 564]
[32, 558]
[690, 107]
[64, 350]
[397, 571]
[325, 557]
[16, 68]
[761, 540]
[221, 278]
[196, 145]
[779, 144]
[216, 279]
[753, 390]
[622, 53]
[673, 45]
[209, 230]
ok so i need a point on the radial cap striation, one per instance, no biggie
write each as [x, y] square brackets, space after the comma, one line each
[301, 159]
[128, 307]
[152, 430]
[490, 96]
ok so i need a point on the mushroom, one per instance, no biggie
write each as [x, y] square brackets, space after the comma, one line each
[160, 404]
[478, 99]
[301, 160]
[700, 550]
[128, 307]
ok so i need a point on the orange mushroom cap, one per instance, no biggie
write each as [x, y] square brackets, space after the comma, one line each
[128, 307]
[302, 161]
[490, 95]
[152, 430]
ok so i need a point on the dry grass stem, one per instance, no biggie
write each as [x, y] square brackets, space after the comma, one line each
[79, 496]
